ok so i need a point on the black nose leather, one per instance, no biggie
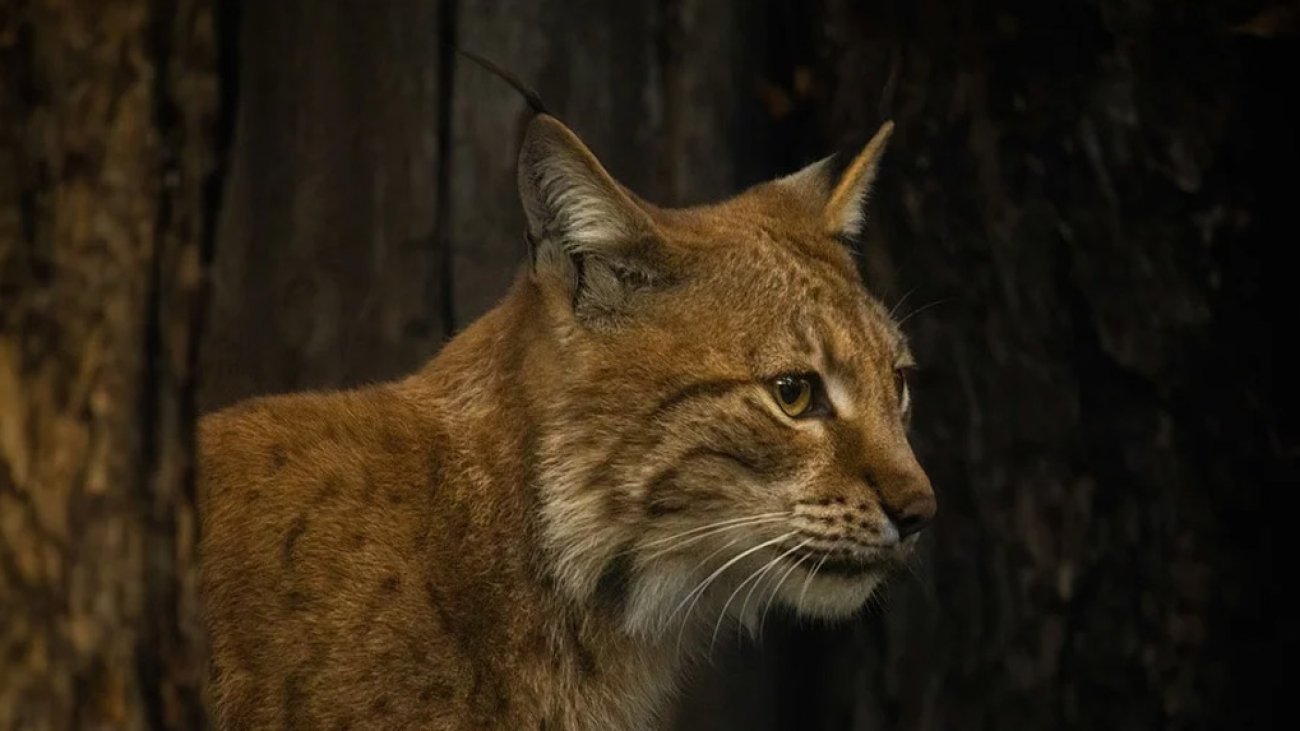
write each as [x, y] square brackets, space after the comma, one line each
[912, 516]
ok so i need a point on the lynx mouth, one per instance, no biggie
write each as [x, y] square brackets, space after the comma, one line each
[843, 565]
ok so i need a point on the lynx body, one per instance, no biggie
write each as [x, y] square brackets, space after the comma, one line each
[673, 420]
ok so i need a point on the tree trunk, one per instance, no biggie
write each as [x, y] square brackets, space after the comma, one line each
[327, 270]
[105, 152]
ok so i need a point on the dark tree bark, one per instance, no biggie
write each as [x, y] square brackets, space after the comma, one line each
[598, 85]
[326, 270]
[105, 151]
[1088, 194]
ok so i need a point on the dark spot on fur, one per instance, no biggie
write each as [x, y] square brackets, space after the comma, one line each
[701, 389]
[435, 602]
[601, 482]
[382, 705]
[420, 541]
[615, 581]
[582, 654]
[549, 582]
[662, 495]
[396, 497]
[296, 600]
[838, 500]
[296, 529]
[278, 458]
[254, 495]
[436, 691]
[436, 476]
[390, 584]
[657, 506]
[658, 500]
[744, 461]
[390, 441]
[294, 717]
[586, 661]
[345, 724]
[367, 485]
[356, 540]
[331, 488]
[331, 432]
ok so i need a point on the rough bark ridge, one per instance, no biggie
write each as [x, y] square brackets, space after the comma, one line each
[105, 108]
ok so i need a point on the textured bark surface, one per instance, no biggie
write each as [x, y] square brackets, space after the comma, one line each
[326, 270]
[105, 152]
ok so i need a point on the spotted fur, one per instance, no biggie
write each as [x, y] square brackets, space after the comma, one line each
[542, 527]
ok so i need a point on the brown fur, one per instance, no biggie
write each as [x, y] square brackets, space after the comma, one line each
[510, 538]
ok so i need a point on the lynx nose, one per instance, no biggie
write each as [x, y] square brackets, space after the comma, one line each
[906, 496]
[911, 516]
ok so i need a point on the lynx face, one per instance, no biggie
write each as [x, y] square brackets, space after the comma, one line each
[726, 408]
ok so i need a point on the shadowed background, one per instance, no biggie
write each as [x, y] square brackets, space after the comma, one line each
[1082, 219]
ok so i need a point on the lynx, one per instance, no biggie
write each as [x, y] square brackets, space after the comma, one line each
[675, 419]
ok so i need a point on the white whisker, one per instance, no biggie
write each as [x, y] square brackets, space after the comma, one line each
[700, 565]
[782, 557]
[694, 596]
[715, 531]
[894, 310]
[758, 574]
[921, 309]
[771, 599]
[697, 529]
[811, 574]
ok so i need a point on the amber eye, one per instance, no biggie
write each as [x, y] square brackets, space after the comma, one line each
[794, 394]
[900, 387]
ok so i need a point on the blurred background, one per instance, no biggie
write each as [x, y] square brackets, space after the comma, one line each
[1083, 219]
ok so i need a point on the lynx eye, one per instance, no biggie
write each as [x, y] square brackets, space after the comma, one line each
[900, 387]
[794, 394]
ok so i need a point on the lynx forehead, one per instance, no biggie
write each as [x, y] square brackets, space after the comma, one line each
[674, 420]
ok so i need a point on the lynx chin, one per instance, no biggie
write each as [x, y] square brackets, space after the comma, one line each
[674, 420]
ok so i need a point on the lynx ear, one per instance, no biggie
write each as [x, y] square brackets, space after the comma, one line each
[581, 220]
[843, 201]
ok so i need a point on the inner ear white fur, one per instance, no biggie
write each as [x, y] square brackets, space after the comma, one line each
[567, 194]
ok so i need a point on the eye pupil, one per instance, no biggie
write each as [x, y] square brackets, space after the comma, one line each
[790, 389]
[793, 394]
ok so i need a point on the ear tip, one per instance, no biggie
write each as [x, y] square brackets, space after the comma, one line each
[538, 123]
[886, 129]
[545, 132]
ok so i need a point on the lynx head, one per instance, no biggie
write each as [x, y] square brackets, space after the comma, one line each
[725, 404]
